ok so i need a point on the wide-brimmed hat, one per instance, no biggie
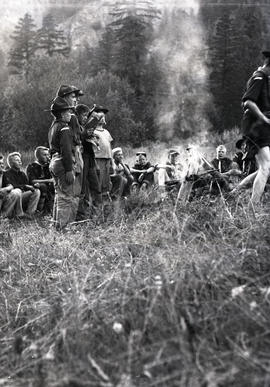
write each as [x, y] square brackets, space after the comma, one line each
[266, 52]
[68, 89]
[99, 109]
[239, 143]
[60, 104]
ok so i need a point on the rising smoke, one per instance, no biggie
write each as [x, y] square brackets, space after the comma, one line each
[180, 48]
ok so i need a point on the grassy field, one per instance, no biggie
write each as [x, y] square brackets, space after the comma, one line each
[153, 296]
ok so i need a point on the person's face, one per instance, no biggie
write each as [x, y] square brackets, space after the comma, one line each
[15, 162]
[83, 117]
[118, 157]
[101, 117]
[173, 158]
[44, 156]
[66, 115]
[2, 165]
[221, 153]
[142, 160]
[244, 147]
[72, 99]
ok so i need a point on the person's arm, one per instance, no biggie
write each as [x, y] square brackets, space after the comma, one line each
[134, 170]
[66, 151]
[254, 109]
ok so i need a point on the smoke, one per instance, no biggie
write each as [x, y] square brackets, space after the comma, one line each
[180, 49]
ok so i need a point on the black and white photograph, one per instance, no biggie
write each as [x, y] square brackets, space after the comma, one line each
[134, 193]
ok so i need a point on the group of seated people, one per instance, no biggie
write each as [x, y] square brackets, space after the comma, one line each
[22, 194]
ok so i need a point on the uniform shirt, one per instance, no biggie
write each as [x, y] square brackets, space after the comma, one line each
[104, 140]
[36, 171]
[148, 176]
[222, 165]
[258, 89]
[17, 178]
[61, 142]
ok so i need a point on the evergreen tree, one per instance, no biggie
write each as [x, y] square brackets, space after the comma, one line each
[25, 46]
[51, 39]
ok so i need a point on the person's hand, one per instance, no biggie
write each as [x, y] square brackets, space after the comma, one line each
[29, 188]
[267, 120]
[140, 178]
[70, 177]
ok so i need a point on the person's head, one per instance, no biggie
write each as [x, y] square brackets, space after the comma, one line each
[14, 160]
[61, 109]
[141, 158]
[70, 93]
[221, 151]
[42, 155]
[100, 112]
[241, 144]
[172, 156]
[2, 164]
[117, 155]
[82, 111]
[266, 56]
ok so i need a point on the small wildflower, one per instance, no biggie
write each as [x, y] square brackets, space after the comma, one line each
[158, 282]
[253, 305]
[237, 291]
[117, 327]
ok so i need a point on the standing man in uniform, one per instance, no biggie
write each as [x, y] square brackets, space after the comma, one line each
[256, 125]
[63, 164]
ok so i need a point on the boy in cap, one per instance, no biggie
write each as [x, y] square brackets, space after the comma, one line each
[142, 172]
[104, 153]
[63, 164]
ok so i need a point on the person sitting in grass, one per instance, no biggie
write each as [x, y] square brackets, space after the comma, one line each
[169, 174]
[9, 197]
[121, 178]
[29, 195]
[39, 176]
[226, 170]
[142, 172]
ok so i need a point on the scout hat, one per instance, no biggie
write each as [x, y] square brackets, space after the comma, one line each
[99, 108]
[173, 152]
[141, 153]
[239, 143]
[60, 104]
[67, 89]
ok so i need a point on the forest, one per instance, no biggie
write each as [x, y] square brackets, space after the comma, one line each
[164, 73]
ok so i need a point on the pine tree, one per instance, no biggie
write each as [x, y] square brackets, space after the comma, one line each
[51, 39]
[25, 46]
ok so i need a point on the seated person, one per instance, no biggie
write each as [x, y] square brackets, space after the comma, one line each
[142, 172]
[8, 196]
[40, 177]
[169, 175]
[29, 195]
[245, 160]
[121, 178]
[226, 170]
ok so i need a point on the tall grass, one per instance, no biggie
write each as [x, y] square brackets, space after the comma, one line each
[151, 297]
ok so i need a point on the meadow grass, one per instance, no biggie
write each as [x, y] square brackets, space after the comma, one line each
[150, 297]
